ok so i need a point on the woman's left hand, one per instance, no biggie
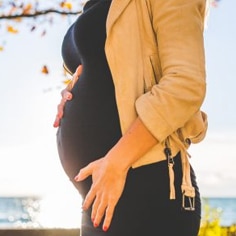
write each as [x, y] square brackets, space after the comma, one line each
[66, 96]
[107, 187]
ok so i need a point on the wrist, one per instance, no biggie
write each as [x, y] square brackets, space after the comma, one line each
[119, 159]
[135, 143]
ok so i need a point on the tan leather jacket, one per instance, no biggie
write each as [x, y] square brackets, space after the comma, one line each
[155, 52]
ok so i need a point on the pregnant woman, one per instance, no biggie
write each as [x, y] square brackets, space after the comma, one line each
[130, 113]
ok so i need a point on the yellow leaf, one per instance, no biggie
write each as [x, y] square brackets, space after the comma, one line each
[45, 70]
[18, 19]
[67, 81]
[11, 29]
[67, 5]
[27, 8]
[1, 48]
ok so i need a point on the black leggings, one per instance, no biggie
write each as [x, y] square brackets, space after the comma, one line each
[144, 208]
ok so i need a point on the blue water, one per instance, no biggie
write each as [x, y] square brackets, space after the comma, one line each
[24, 211]
[19, 212]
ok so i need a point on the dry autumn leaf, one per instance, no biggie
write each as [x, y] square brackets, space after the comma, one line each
[18, 20]
[45, 70]
[27, 8]
[67, 5]
[11, 29]
[67, 81]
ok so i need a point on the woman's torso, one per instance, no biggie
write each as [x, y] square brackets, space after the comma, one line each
[90, 119]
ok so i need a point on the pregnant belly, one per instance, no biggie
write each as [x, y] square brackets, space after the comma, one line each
[87, 131]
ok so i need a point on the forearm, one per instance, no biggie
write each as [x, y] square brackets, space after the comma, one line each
[133, 145]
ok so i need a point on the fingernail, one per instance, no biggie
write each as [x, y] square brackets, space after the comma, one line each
[95, 225]
[78, 177]
[84, 208]
[105, 228]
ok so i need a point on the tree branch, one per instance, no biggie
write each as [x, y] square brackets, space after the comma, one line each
[38, 13]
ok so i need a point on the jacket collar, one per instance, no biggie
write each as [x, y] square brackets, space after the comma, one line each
[116, 8]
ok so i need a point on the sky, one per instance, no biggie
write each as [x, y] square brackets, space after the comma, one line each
[28, 153]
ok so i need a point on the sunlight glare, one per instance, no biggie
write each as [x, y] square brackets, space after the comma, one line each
[61, 210]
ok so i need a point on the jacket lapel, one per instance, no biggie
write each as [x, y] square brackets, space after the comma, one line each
[116, 8]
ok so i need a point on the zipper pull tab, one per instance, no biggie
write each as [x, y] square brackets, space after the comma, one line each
[171, 163]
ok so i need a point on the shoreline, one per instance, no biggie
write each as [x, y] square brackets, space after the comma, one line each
[39, 232]
[229, 231]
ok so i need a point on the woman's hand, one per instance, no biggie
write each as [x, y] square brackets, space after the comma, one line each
[109, 173]
[107, 187]
[66, 95]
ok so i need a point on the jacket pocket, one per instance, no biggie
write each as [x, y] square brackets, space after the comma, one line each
[152, 71]
[156, 67]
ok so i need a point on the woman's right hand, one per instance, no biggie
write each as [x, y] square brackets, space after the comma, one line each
[66, 95]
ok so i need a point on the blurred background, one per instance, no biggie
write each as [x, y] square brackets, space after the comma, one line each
[34, 191]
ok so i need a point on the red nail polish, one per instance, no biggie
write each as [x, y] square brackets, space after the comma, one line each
[105, 228]
[95, 225]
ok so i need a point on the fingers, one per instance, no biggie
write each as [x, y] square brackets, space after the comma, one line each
[103, 194]
[89, 198]
[56, 123]
[78, 70]
[60, 109]
[102, 207]
[74, 78]
[94, 197]
[66, 96]
[98, 211]
[84, 172]
[109, 214]
[58, 116]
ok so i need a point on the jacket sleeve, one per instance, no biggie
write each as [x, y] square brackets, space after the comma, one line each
[178, 26]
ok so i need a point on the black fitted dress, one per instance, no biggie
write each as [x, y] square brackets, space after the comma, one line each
[90, 127]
